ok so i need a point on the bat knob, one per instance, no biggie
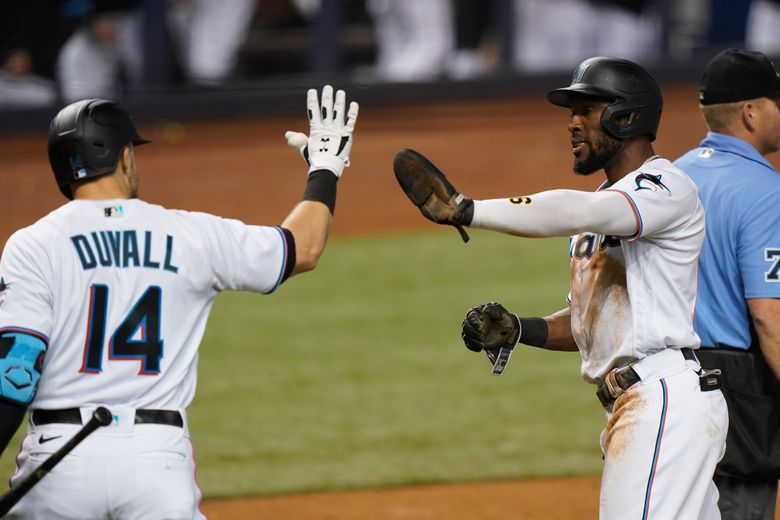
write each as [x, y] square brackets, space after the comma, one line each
[103, 416]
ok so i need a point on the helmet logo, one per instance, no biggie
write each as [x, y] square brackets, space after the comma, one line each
[77, 166]
[579, 73]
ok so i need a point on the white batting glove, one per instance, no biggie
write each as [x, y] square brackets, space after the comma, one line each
[330, 140]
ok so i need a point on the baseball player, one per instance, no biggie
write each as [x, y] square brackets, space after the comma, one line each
[634, 248]
[738, 305]
[104, 302]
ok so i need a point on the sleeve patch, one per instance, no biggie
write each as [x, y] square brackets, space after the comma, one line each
[772, 255]
[645, 181]
[21, 361]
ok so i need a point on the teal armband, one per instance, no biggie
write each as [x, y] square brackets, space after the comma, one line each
[21, 361]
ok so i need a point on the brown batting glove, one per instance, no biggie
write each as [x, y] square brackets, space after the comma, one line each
[429, 190]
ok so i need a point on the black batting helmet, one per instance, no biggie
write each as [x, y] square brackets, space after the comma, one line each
[86, 139]
[632, 92]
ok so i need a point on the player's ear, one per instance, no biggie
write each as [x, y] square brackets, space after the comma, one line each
[125, 158]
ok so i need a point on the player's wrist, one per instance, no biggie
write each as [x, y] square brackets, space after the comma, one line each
[533, 331]
[321, 187]
[326, 161]
[464, 211]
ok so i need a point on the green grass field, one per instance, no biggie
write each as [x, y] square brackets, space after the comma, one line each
[355, 375]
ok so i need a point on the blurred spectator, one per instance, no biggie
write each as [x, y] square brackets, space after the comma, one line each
[33, 34]
[472, 25]
[763, 27]
[106, 53]
[414, 38]
[105, 49]
[728, 23]
[555, 35]
[208, 35]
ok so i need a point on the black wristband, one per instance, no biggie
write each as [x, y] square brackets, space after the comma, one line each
[533, 331]
[321, 187]
[468, 213]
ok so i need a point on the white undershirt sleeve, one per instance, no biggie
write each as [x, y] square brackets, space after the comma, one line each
[559, 213]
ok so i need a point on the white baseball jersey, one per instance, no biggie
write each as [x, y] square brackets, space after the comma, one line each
[634, 296]
[632, 302]
[122, 289]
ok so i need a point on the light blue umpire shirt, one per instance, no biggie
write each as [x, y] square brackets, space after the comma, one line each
[740, 258]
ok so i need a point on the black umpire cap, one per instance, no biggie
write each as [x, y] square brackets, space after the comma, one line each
[736, 75]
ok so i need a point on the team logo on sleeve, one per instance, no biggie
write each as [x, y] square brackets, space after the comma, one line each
[645, 181]
[520, 200]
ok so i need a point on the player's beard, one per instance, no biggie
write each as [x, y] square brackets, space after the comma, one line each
[603, 149]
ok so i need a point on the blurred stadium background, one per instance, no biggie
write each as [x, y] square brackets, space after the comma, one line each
[185, 59]
[354, 376]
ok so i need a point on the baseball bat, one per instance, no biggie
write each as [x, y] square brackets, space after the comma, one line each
[100, 417]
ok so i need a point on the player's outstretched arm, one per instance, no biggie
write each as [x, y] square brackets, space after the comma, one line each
[551, 213]
[326, 151]
[558, 213]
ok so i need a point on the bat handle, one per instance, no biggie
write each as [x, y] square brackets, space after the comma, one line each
[100, 417]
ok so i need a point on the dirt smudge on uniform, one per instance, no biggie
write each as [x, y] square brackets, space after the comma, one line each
[609, 282]
[622, 424]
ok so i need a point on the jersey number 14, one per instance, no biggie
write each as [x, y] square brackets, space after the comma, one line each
[137, 337]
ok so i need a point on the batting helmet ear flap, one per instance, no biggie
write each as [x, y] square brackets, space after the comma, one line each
[622, 121]
[633, 92]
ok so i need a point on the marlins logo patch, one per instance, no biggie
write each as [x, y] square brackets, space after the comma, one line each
[77, 167]
[645, 181]
[579, 73]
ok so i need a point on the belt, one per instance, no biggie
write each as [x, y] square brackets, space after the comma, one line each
[73, 416]
[619, 380]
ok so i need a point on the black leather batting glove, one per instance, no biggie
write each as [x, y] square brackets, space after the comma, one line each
[493, 329]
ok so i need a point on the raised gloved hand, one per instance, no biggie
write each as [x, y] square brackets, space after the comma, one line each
[493, 329]
[329, 141]
[429, 190]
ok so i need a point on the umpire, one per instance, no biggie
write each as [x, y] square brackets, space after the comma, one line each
[738, 306]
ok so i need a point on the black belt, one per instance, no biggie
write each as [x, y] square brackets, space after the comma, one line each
[73, 416]
[627, 377]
